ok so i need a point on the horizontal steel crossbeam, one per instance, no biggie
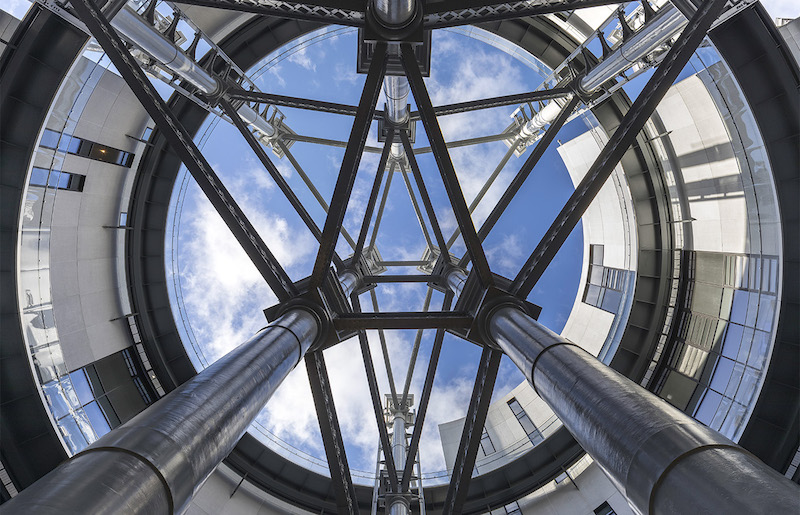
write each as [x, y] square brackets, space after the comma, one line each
[403, 320]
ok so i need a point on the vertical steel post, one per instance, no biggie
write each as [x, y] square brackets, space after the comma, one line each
[155, 462]
[661, 459]
[399, 504]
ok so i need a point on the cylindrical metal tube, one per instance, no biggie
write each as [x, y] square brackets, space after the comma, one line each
[135, 29]
[661, 459]
[545, 116]
[455, 280]
[348, 281]
[396, 90]
[394, 12]
[668, 22]
[399, 505]
[155, 462]
[252, 118]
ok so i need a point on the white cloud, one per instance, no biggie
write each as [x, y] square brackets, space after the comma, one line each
[16, 8]
[782, 8]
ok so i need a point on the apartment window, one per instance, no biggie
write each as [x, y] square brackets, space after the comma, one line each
[57, 179]
[525, 421]
[487, 447]
[604, 509]
[604, 284]
[85, 148]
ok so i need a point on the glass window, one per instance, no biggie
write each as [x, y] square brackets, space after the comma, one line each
[722, 375]
[486, 444]
[596, 254]
[97, 418]
[604, 509]
[56, 399]
[72, 434]
[592, 295]
[758, 351]
[611, 300]
[708, 407]
[733, 340]
[147, 132]
[123, 219]
[39, 176]
[739, 307]
[50, 139]
[82, 388]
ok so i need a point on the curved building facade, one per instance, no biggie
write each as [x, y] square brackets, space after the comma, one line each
[688, 282]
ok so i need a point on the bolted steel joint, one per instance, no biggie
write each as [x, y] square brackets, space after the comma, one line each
[312, 304]
[493, 299]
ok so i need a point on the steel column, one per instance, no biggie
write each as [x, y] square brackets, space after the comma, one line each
[155, 462]
[661, 459]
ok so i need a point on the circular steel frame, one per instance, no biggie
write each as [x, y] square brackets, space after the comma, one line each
[761, 57]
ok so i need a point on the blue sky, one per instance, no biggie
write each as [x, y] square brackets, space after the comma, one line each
[224, 295]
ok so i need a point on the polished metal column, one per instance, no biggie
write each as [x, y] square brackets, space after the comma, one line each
[155, 462]
[661, 459]
[400, 505]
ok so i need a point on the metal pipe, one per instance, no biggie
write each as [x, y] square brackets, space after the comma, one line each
[545, 116]
[661, 459]
[138, 31]
[155, 462]
[399, 505]
[456, 278]
[667, 22]
[348, 280]
[394, 12]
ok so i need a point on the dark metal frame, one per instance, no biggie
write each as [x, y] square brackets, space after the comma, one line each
[444, 14]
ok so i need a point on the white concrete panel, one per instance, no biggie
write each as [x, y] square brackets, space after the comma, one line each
[96, 275]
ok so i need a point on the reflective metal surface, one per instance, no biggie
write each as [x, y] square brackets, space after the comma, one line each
[138, 31]
[661, 459]
[181, 438]
[665, 25]
[394, 12]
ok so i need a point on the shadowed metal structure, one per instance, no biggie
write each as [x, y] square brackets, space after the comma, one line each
[652, 452]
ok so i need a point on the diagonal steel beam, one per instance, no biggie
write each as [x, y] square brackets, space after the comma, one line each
[445, 164]
[387, 363]
[274, 172]
[350, 162]
[471, 435]
[346, 500]
[505, 100]
[181, 142]
[633, 122]
[382, 206]
[373, 197]
[484, 189]
[375, 395]
[414, 351]
[314, 191]
[417, 210]
[526, 169]
[340, 13]
[422, 407]
[450, 13]
[426, 199]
